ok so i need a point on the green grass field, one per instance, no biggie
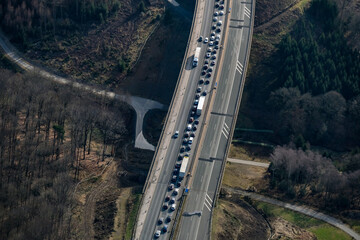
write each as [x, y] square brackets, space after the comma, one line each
[322, 231]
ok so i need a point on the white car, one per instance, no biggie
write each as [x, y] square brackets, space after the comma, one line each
[215, 19]
[216, 13]
[209, 49]
[219, 23]
[176, 135]
[206, 40]
[191, 139]
[173, 207]
[211, 43]
[212, 38]
[188, 128]
[157, 234]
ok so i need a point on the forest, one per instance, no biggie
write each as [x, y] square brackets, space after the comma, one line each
[316, 56]
[300, 173]
[46, 131]
[35, 18]
[316, 90]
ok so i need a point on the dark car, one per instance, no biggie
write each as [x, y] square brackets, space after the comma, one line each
[165, 206]
[160, 221]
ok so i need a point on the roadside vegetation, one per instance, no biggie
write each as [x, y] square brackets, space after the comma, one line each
[301, 96]
[91, 41]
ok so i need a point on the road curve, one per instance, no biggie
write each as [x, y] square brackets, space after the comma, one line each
[299, 208]
[140, 105]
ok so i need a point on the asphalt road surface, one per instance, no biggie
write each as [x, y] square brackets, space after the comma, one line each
[208, 171]
[146, 228]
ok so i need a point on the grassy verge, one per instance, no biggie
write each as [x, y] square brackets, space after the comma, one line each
[322, 231]
[132, 216]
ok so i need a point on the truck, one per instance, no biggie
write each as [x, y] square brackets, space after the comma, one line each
[183, 167]
[200, 106]
[196, 56]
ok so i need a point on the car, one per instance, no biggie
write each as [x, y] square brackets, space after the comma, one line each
[201, 81]
[213, 57]
[212, 38]
[213, 27]
[216, 5]
[168, 219]
[176, 191]
[208, 54]
[208, 75]
[210, 69]
[174, 177]
[218, 30]
[206, 40]
[177, 165]
[196, 102]
[180, 157]
[214, 52]
[207, 82]
[184, 142]
[191, 119]
[209, 50]
[178, 184]
[219, 23]
[203, 72]
[160, 221]
[206, 61]
[192, 113]
[165, 206]
[187, 154]
[205, 67]
[186, 134]
[198, 89]
[221, 7]
[182, 149]
[157, 234]
[172, 200]
[192, 134]
[215, 19]
[196, 122]
[221, 13]
[171, 187]
[216, 47]
[212, 63]
[217, 37]
[191, 139]
[216, 13]
[188, 128]
[194, 108]
[188, 148]
[175, 171]
[204, 93]
[200, 38]
[167, 198]
[173, 207]
[211, 43]
[194, 128]
[197, 96]
[165, 228]
[216, 42]
[176, 134]
[212, 33]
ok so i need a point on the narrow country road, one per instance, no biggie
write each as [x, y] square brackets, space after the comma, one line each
[247, 162]
[298, 208]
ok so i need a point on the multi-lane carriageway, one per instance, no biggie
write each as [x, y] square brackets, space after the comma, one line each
[214, 129]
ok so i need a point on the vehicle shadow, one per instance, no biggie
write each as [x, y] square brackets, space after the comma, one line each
[188, 65]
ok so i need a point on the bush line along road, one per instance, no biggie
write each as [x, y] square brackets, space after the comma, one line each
[214, 131]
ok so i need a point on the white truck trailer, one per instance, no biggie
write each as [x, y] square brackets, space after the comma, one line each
[184, 164]
[200, 106]
[196, 56]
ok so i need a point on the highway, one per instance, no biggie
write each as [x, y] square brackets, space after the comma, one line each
[169, 148]
[220, 125]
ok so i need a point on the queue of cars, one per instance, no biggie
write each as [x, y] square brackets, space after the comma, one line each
[213, 42]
